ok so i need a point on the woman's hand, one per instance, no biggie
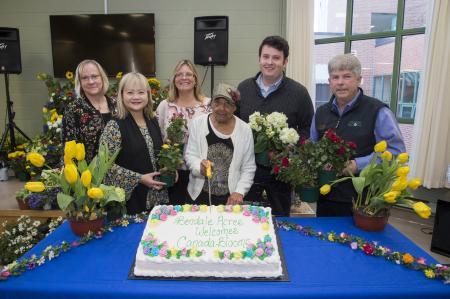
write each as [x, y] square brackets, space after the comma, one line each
[148, 180]
[235, 199]
[204, 166]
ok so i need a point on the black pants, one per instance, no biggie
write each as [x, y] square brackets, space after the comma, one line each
[278, 193]
[178, 194]
[328, 208]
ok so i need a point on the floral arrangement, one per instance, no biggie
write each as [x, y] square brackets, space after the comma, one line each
[18, 267]
[158, 93]
[261, 250]
[153, 248]
[60, 92]
[49, 150]
[271, 132]
[334, 151]
[382, 185]
[169, 159]
[298, 166]
[83, 195]
[18, 237]
[431, 271]
[16, 161]
[176, 130]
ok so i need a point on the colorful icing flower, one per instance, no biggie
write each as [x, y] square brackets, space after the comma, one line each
[173, 251]
[173, 212]
[203, 208]
[265, 226]
[186, 208]
[227, 254]
[178, 208]
[259, 252]
[267, 238]
[163, 217]
[236, 209]
[237, 255]
[228, 208]
[163, 252]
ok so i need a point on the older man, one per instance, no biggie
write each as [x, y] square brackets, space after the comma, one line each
[357, 118]
[270, 90]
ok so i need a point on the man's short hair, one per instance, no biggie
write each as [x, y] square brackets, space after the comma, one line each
[276, 42]
[345, 62]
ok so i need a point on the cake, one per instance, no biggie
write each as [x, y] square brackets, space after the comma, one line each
[209, 241]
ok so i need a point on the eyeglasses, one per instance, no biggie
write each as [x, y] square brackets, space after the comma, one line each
[88, 78]
[184, 75]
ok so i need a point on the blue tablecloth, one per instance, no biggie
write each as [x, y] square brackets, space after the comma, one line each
[317, 269]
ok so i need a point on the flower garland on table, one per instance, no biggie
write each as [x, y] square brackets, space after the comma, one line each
[372, 248]
[19, 266]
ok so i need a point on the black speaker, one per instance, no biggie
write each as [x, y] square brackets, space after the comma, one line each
[440, 242]
[10, 61]
[211, 40]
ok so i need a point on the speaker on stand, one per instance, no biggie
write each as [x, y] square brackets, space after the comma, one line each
[10, 63]
[211, 42]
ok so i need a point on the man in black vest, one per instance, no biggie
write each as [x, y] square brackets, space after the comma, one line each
[355, 117]
[270, 90]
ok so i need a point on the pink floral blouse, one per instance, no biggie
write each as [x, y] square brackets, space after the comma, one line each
[167, 109]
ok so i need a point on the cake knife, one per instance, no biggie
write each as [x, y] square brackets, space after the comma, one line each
[209, 176]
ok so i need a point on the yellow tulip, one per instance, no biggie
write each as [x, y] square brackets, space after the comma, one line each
[80, 153]
[422, 209]
[403, 171]
[36, 159]
[35, 186]
[325, 189]
[414, 183]
[70, 173]
[380, 146]
[44, 110]
[386, 155]
[67, 160]
[165, 146]
[12, 155]
[86, 178]
[95, 193]
[70, 149]
[20, 153]
[403, 158]
[400, 184]
[390, 196]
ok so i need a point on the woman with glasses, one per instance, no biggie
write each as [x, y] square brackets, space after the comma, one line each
[225, 142]
[85, 117]
[187, 99]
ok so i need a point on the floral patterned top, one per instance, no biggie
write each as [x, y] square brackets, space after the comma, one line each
[125, 178]
[167, 109]
[83, 123]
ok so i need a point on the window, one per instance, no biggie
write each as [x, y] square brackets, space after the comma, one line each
[388, 38]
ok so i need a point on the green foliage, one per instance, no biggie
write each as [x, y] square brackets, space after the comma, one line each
[169, 158]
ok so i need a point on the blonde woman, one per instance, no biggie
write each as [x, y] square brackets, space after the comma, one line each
[85, 118]
[185, 98]
[136, 133]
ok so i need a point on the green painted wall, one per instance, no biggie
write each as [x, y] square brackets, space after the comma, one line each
[250, 21]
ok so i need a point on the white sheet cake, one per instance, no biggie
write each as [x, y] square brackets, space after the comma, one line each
[203, 241]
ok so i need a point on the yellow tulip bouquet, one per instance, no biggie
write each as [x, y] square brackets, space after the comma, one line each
[383, 183]
[83, 196]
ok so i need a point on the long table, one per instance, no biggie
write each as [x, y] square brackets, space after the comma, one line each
[317, 269]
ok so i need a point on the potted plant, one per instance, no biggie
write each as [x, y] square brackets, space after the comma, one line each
[17, 163]
[83, 197]
[169, 159]
[298, 166]
[21, 198]
[176, 130]
[382, 184]
[271, 134]
[334, 153]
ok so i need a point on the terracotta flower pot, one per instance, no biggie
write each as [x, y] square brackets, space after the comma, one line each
[23, 205]
[81, 228]
[370, 223]
[308, 194]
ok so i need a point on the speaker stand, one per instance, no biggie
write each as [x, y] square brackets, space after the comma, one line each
[10, 126]
[212, 79]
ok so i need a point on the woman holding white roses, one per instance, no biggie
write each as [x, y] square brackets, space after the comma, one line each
[224, 141]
